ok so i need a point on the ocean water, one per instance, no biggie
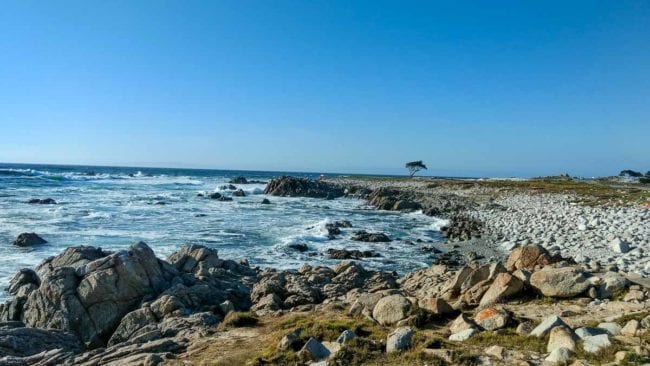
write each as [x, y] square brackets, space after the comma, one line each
[113, 207]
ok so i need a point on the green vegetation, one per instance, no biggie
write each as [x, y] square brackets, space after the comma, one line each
[236, 319]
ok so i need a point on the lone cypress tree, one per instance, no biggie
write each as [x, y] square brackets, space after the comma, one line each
[414, 167]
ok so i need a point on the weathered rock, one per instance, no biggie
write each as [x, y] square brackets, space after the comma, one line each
[463, 322]
[619, 246]
[583, 332]
[561, 337]
[314, 350]
[346, 336]
[560, 282]
[436, 306]
[463, 335]
[91, 300]
[492, 318]
[290, 340]
[560, 356]
[611, 284]
[301, 187]
[546, 325]
[593, 344]
[611, 328]
[239, 193]
[19, 341]
[528, 257]
[630, 328]
[28, 240]
[504, 286]
[495, 351]
[391, 309]
[399, 340]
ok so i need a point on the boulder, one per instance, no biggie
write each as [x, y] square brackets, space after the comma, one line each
[611, 284]
[265, 201]
[611, 328]
[391, 309]
[290, 340]
[346, 336]
[492, 318]
[504, 286]
[583, 332]
[463, 322]
[314, 350]
[436, 306]
[239, 193]
[28, 240]
[463, 335]
[560, 282]
[560, 356]
[631, 328]
[399, 340]
[619, 245]
[302, 187]
[546, 325]
[528, 257]
[594, 344]
[561, 337]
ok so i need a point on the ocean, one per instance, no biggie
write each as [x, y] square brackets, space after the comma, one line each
[113, 207]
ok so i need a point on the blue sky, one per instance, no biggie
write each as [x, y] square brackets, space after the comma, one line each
[472, 88]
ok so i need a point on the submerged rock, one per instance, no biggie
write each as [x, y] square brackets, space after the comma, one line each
[45, 201]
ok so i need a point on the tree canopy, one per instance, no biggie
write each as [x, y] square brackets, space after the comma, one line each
[415, 166]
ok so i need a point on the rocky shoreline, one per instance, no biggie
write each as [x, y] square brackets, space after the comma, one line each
[512, 289]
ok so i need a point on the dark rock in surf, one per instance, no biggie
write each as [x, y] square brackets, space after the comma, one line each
[302, 187]
[350, 254]
[214, 195]
[238, 180]
[370, 237]
[46, 201]
[239, 193]
[299, 247]
[29, 239]
[266, 201]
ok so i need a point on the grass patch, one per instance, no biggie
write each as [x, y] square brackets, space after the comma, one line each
[236, 319]
[509, 339]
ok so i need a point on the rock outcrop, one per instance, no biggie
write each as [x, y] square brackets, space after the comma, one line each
[302, 187]
[309, 286]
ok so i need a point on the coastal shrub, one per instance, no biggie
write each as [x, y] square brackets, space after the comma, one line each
[236, 319]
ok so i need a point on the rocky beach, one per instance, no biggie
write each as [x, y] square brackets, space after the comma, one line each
[531, 272]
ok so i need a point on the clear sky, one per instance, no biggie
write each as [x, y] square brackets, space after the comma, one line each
[494, 88]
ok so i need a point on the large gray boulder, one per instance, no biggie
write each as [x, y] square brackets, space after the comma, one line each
[560, 282]
[391, 309]
[399, 340]
[89, 297]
